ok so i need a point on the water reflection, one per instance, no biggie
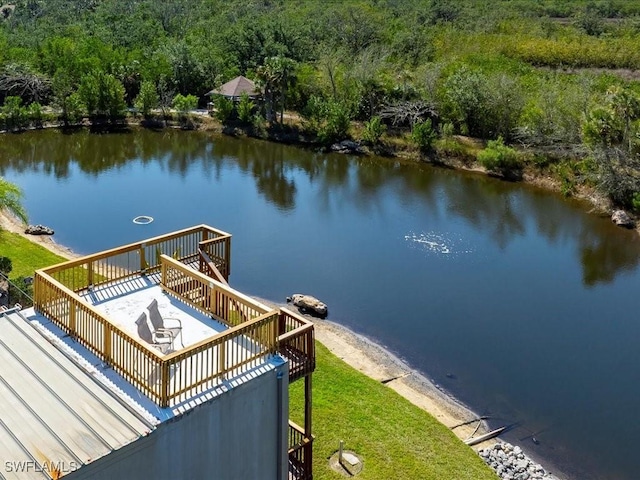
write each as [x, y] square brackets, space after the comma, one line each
[502, 211]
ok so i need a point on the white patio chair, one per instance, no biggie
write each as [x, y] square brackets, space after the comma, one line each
[158, 323]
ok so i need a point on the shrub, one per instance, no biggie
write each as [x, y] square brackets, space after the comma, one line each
[5, 265]
[336, 123]
[245, 109]
[498, 157]
[15, 114]
[35, 115]
[102, 95]
[21, 291]
[447, 130]
[224, 109]
[73, 111]
[259, 126]
[423, 135]
[147, 99]
[329, 120]
[373, 130]
[184, 104]
[635, 202]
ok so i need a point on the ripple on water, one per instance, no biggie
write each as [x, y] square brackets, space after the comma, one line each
[437, 243]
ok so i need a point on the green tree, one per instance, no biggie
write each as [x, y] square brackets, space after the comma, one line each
[185, 103]
[11, 199]
[65, 97]
[102, 95]
[35, 115]
[275, 76]
[611, 132]
[112, 97]
[147, 99]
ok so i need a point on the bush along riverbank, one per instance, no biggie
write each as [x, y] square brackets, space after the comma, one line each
[570, 171]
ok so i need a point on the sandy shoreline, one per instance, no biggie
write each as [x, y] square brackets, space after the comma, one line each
[12, 224]
[356, 350]
[380, 364]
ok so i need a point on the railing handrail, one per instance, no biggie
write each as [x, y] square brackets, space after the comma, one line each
[214, 240]
[231, 332]
[295, 333]
[297, 316]
[134, 246]
[215, 283]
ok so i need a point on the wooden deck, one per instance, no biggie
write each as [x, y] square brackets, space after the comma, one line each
[193, 265]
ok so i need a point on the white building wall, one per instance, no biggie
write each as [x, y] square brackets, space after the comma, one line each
[241, 434]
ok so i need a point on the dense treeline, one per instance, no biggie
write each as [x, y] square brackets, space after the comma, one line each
[538, 73]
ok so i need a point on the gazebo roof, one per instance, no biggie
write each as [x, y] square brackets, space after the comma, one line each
[236, 87]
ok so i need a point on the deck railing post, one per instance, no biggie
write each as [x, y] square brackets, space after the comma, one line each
[89, 275]
[106, 332]
[222, 360]
[212, 298]
[164, 392]
[307, 406]
[227, 259]
[72, 319]
[143, 260]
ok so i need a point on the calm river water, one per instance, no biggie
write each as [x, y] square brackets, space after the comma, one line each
[517, 301]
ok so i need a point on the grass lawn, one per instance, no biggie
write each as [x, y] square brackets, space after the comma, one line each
[25, 255]
[394, 438]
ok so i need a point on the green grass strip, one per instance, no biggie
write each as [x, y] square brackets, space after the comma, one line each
[394, 438]
[26, 256]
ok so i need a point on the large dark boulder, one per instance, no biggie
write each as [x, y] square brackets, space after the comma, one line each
[308, 304]
[38, 230]
[347, 146]
[622, 219]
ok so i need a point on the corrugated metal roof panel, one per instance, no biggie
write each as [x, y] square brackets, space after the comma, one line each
[52, 411]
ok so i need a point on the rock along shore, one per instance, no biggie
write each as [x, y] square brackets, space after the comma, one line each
[510, 463]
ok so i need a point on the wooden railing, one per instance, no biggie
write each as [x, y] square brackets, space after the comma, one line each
[224, 356]
[218, 250]
[296, 342]
[162, 378]
[300, 453]
[143, 257]
[208, 295]
[134, 360]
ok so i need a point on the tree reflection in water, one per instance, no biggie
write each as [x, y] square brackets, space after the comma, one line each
[501, 210]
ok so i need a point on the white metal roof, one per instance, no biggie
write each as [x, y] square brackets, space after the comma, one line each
[52, 413]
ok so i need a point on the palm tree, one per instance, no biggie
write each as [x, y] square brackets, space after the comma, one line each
[11, 199]
[275, 77]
